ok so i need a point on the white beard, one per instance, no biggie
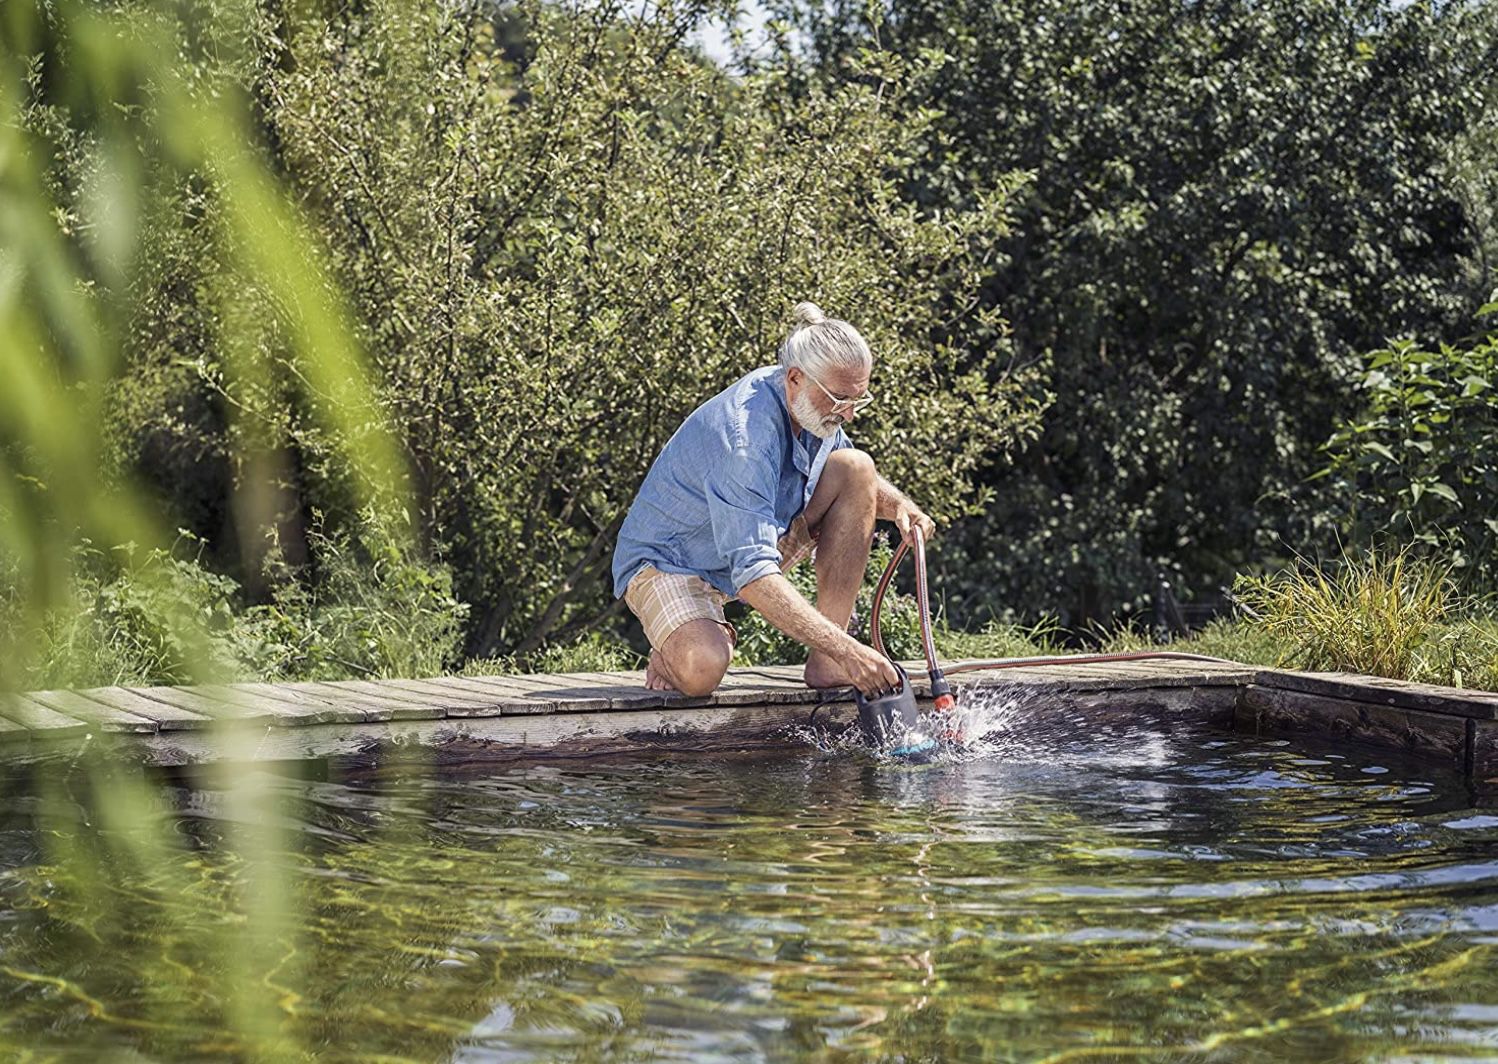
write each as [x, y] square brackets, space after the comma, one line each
[810, 419]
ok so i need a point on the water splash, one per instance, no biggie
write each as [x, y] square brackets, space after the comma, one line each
[990, 721]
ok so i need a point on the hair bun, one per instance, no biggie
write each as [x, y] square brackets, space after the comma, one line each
[808, 314]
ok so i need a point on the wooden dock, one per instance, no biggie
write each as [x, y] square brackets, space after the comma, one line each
[583, 714]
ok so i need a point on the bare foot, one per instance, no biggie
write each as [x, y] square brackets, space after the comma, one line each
[655, 679]
[823, 672]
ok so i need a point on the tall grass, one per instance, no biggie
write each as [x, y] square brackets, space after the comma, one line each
[1381, 613]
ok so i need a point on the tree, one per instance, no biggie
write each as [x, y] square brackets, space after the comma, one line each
[1229, 202]
[557, 258]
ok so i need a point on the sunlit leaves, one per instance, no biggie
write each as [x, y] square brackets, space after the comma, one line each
[1419, 461]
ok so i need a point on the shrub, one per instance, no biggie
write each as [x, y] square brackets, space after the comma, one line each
[367, 607]
[1229, 199]
[593, 652]
[1419, 463]
[132, 617]
[552, 268]
[161, 617]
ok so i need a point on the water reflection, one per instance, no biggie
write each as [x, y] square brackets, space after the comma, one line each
[1115, 890]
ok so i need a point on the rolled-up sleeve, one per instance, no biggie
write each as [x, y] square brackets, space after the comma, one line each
[741, 507]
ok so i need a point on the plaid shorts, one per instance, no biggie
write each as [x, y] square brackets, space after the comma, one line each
[666, 601]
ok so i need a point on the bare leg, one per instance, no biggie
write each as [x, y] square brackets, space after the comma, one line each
[693, 659]
[841, 512]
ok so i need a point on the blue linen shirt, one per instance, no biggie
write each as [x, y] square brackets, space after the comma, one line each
[724, 489]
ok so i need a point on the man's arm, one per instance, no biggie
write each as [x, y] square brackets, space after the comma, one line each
[892, 504]
[787, 609]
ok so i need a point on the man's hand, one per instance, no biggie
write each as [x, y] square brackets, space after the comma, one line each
[868, 670]
[908, 515]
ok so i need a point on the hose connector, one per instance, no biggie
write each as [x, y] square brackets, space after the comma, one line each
[942, 699]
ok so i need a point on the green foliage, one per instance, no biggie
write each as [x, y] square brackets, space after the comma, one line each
[1380, 614]
[592, 652]
[132, 617]
[371, 609]
[160, 616]
[760, 643]
[102, 122]
[1228, 201]
[1419, 462]
[557, 251]
[556, 234]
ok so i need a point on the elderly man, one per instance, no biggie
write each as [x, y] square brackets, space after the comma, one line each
[739, 494]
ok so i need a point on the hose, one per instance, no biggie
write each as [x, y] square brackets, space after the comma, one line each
[941, 691]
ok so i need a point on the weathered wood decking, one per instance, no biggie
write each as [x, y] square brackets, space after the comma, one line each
[576, 714]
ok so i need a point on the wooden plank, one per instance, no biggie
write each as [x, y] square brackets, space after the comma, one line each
[531, 738]
[108, 717]
[1482, 758]
[512, 698]
[401, 705]
[448, 700]
[476, 701]
[750, 691]
[1027, 678]
[445, 693]
[167, 718]
[790, 681]
[1279, 711]
[627, 690]
[288, 712]
[565, 698]
[308, 693]
[519, 738]
[347, 708]
[1098, 677]
[622, 689]
[222, 711]
[1177, 674]
[499, 691]
[1481, 705]
[42, 721]
[12, 733]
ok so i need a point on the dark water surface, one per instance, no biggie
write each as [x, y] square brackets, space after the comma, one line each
[1123, 894]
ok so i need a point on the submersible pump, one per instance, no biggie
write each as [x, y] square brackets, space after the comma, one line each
[889, 721]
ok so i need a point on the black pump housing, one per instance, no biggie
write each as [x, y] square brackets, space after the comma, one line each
[888, 717]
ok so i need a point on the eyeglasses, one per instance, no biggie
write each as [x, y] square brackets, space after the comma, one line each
[853, 404]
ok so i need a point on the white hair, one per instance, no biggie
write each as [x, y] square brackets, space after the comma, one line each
[818, 344]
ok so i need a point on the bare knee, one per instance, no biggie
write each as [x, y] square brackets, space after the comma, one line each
[698, 656]
[851, 462]
[853, 469]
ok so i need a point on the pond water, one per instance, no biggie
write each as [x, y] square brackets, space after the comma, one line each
[1078, 893]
